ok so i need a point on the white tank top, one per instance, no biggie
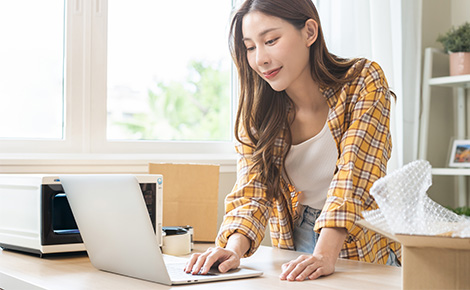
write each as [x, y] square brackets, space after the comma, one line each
[311, 166]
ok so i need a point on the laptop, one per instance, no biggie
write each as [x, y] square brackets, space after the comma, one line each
[116, 229]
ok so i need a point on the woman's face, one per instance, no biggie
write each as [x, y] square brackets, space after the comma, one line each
[276, 50]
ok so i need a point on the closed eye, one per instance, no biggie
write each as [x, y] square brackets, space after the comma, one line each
[249, 45]
[271, 41]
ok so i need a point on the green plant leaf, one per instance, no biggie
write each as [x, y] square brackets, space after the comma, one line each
[456, 39]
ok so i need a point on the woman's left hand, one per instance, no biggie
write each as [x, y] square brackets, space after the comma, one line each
[308, 266]
[323, 260]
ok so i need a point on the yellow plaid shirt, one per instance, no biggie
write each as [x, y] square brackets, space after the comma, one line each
[359, 122]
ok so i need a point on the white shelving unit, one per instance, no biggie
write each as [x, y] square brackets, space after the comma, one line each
[460, 84]
[451, 171]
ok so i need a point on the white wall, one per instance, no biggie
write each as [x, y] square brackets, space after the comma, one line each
[460, 12]
[437, 18]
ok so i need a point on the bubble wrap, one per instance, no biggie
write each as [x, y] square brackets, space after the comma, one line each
[404, 206]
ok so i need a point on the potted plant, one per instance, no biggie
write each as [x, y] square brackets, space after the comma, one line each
[457, 43]
[464, 210]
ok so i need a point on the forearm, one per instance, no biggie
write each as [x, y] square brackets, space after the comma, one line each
[330, 242]
[238, 243]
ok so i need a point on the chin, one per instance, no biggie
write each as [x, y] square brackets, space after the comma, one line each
[277, 88]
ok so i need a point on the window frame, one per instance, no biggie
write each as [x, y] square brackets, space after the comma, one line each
[85, 90]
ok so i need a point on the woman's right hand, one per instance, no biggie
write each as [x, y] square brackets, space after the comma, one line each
[200, 263]
[226, 258]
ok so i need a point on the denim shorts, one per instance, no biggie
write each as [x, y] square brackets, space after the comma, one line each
[393, 260]
[305, 238]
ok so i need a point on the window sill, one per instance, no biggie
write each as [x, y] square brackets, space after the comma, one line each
[105, 163]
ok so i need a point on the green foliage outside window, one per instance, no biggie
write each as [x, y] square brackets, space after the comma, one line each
[196, 109]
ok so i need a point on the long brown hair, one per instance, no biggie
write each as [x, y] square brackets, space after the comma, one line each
[263, 112]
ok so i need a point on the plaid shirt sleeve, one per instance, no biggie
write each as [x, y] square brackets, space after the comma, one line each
[360, 124]
[247, 208]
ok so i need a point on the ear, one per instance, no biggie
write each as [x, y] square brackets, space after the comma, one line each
[311, 31]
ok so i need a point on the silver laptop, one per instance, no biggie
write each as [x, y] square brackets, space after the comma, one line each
[116, 229]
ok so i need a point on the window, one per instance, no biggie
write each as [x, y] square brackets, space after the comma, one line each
[146, 76]
[31, 70]
[169, 80]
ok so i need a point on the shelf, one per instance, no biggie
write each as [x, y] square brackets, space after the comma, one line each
[451, 171]
[462, 81]
[461, 109]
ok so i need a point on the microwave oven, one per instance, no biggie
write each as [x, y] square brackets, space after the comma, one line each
[35, 215]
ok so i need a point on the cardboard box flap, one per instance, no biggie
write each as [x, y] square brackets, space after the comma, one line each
[422, 241]
[190, 197]
[446, 242]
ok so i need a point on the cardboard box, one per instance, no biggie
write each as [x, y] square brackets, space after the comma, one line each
[432, 262]
[190, 197]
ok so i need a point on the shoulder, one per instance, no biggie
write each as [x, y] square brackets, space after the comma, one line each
[366, 68]
[365, 74]
[368, 87]
[370, 67]
[369, 77]
[371, 74]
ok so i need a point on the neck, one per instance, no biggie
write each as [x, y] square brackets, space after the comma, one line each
[307, 96]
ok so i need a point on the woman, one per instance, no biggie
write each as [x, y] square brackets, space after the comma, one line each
[313, 132]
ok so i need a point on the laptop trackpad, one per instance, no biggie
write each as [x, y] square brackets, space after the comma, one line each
[176, 272]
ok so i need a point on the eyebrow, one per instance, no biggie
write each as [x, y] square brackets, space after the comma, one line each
[262, 33]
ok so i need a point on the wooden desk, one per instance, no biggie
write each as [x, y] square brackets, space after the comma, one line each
[76, 272]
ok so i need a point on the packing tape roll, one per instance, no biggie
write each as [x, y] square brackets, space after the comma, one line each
[177, 244]
[191, 232]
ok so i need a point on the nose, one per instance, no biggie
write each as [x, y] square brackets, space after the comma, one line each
[262, 56]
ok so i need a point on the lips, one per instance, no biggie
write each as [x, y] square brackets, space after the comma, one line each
[272, 73]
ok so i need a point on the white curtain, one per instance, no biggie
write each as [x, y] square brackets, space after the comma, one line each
[385, 31]
[412, 55]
